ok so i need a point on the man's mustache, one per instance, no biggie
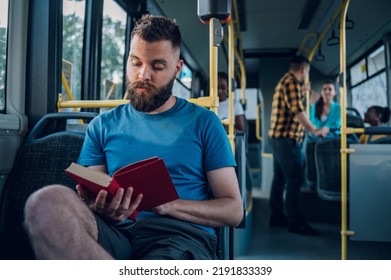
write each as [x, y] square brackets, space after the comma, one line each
[140, 84]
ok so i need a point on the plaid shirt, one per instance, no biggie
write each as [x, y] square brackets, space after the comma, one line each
[287, 102]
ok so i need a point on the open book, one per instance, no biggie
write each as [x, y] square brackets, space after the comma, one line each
[149, 177]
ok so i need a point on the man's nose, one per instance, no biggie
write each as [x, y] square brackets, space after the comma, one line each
[145, 73]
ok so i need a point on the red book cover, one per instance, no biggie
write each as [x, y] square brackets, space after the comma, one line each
[149, 177]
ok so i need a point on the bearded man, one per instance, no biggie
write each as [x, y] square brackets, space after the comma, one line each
[63, 224]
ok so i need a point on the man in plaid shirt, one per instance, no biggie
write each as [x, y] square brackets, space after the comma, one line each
[286, 134]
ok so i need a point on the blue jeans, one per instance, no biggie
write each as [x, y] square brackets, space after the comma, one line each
[288, 167]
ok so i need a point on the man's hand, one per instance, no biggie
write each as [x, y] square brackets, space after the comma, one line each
[306, 87]
[118, 209]
[322, 131]
[314, 96]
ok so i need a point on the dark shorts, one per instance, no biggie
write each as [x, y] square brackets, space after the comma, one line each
[159, 238]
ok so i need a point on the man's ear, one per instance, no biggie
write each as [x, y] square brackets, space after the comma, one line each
[178, 67]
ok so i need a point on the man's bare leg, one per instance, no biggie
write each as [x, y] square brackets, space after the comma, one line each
[61, 226]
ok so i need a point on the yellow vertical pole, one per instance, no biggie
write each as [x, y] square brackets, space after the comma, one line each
[69, 93]
[344, 151]
[213, 54]
[231, 93]
[243, 84]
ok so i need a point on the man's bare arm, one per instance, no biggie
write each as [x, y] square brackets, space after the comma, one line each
[226, 208]
[303, 119]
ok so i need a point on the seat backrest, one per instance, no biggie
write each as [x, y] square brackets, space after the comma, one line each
[39, 162]
[310, 166]
[225, 235]
[328, 168]
[382, 140]
[354, 121]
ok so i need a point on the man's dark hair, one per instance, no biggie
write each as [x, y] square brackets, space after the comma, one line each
[298, 62]
[222, 75]
[157, 28]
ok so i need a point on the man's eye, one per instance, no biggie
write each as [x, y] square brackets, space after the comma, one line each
[158, 66]
[135, 62]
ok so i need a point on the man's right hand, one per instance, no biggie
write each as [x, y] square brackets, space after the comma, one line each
[322, 131]
[118, 209]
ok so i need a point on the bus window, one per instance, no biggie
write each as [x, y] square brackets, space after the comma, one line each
[182, 84]
[113, 50]
[368, 80]
[72, 45]
[376, 61]
[186, 76]
[3, 50]
[370, 92]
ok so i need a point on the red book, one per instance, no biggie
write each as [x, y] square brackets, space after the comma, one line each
[149, 177]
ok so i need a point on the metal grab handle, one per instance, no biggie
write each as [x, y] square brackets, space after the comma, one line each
[333, 40]
[258, 122]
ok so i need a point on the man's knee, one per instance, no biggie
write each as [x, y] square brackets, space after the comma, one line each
[43, 202]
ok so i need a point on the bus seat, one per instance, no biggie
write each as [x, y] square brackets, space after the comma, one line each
[353, 118]
[328, 168]
[40, 161]
[226, 235]
[383, 140]
[310, 167]
[352, 111]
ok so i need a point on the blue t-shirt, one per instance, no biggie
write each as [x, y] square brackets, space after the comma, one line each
[190, 139]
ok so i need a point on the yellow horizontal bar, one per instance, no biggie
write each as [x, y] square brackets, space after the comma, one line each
[350, 130]
[225, 121]
[347, 232]
[207, 101]
[347, 151]
[91, 103]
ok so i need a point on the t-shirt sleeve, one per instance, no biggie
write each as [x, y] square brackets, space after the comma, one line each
[92, 151]
[217, 151]
[238, 108]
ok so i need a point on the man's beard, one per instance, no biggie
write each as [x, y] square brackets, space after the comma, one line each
[152, 98]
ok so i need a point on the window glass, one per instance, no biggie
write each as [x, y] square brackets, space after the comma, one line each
[3, 49]
[376, 61]
[371, 92]
[72, 47]
[185, 76]
[358, 72]
[113, 50]
[180, 90]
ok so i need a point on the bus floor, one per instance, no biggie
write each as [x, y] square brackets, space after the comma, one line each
[268, 243]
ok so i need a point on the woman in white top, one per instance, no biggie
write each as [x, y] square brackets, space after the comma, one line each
[223, 110]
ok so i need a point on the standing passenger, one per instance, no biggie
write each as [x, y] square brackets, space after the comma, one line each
[65, 225]
[288, 121]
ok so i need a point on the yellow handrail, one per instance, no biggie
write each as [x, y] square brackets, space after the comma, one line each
[239, 51]
[231, 93]
[311, 51]
[344, 231]
[69, 92]
[258, 122]
[207, 101]
[213, 61]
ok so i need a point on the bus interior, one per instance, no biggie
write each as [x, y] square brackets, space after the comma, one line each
[69, 57]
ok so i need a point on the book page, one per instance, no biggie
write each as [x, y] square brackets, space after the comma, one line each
[89, 174]
[134, 165]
